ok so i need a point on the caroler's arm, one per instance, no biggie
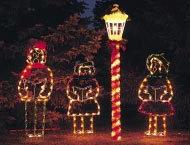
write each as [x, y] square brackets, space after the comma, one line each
[71, 92]
[143, 93]
[47, 87]
[94, 91]
[168, 92]
[23, 87]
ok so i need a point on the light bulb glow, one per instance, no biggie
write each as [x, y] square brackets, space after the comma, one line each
[35, 85]
[115, 84]
[156, 93]
[82, 92]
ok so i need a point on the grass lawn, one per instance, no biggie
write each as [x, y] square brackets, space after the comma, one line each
[100, 137]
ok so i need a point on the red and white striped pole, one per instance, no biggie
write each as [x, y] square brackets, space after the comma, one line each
[115, 93]
[115, 23]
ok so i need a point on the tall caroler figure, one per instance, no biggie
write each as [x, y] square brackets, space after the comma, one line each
[156, 94]
[82, 91]
[35, 86]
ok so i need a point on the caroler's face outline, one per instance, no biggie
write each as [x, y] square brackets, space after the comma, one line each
[157, 65]
[36, 55]
[86, 68]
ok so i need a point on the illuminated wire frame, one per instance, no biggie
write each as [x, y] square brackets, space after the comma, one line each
[115, 23]
[82, 91]
[35, 84]
[156, 93]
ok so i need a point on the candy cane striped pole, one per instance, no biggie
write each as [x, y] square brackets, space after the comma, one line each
[115, 94]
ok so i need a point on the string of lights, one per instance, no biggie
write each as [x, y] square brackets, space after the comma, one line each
[156, 94]
[115, 23]
[82, 91]
[35, 84]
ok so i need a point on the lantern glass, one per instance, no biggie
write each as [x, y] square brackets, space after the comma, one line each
[115, 23]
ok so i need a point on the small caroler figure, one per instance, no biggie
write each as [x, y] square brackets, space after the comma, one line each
[82, 91]
[35, 84]
[156, 93]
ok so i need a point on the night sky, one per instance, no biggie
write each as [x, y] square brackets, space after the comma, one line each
[89, 11]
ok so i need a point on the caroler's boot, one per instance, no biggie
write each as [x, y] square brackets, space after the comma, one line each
[90, 125]
[149, 132]
[163, 132]
[78, 126]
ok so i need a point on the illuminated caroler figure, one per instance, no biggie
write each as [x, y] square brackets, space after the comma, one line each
[35, 85]
[82, 91]
[156, 93]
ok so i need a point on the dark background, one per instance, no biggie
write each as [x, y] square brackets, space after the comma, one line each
[156, 26]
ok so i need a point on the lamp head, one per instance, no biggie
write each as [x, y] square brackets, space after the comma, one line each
[115, 23]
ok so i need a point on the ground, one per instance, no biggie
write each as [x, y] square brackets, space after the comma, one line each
[100, 137]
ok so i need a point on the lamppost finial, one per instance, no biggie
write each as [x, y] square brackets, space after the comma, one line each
[115, 8]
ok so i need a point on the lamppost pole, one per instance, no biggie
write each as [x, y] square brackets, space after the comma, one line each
[115, 23]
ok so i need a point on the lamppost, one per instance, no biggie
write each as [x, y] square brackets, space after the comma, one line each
[115, 23]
